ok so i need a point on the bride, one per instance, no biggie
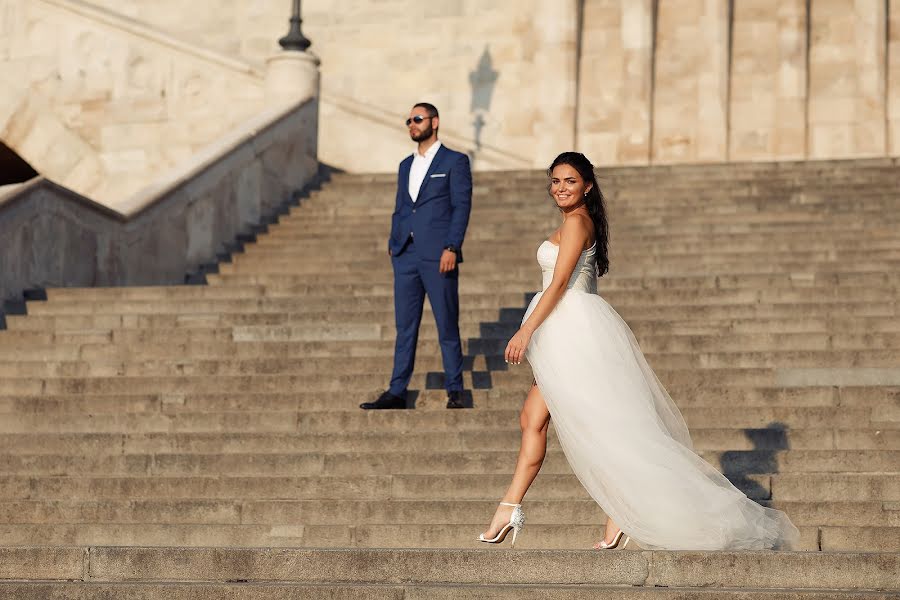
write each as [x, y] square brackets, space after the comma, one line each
[623, 436]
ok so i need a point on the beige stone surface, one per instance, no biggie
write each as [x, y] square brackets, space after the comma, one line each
[768, 80]
[893, 106]
[613, 125]
[505, 87]
[135, 81]
[52, 236]
[107, 109]
[847, 79]
[691, 87]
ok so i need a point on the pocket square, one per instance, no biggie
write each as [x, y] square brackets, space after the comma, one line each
[439, 175]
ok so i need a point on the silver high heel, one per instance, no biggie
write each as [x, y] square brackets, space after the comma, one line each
[602, 545]
[516, 522]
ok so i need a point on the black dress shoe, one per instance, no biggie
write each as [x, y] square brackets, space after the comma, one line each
[385, 400]
[454, 400]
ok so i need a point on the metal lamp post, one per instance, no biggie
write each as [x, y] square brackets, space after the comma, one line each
[295, 40]
[292, 74]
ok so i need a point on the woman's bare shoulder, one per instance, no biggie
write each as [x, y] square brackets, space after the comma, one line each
[580, 227]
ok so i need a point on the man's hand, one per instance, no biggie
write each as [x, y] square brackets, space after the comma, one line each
[448, 261]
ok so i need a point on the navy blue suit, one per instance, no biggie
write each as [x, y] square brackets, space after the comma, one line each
[420, 231]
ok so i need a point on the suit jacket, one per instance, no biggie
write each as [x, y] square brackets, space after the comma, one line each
[440, 215]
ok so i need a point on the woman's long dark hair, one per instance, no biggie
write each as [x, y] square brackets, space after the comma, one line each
[593, 200]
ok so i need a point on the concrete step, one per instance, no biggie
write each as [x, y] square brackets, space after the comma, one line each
[738, 465]
[758, 570]
[684, 264]
[376, 524]
[337, 462]
[763, 439]
[616, 281]
[252, 285]
[382, 535]
[653, 222]
[781, 487]
[479, 353]
[845, 332]
[258, 286]
[137, 497]
[785, 194]
[316, 304]
[519, 236]
[284, 591]
[360, 384]
[449, 483]
[518, 246]
[875, 397]
[185, 365]
[280, 287]
[215, 332]
[471, 420]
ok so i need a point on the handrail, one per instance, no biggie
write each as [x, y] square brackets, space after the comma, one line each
[177, 177]
[207, 158]
[157, 36]
[52, 236]
[23, 191]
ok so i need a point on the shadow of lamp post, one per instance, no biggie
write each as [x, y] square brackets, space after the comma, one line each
[483, 80]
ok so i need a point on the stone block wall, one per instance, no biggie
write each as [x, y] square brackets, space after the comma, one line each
[847, 78]
[893, 73]
[51, 236]
[768, 81]
[614, 92]
[690, 100]
[626, 81]
[476, 61]
[103, 109]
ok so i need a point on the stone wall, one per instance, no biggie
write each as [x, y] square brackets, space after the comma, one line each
[626, 81]
[893, 103]
[52, 236]
[379, 58]
[768, 81]
[104, 107]
[847, 79]
[614, 92]
[690, 100]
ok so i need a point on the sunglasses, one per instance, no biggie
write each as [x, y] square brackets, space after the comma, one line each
[417, 119]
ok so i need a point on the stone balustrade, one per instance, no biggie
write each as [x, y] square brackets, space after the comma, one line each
[103, 104]
[53, 236]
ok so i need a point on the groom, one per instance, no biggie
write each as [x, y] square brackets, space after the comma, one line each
[434, 197]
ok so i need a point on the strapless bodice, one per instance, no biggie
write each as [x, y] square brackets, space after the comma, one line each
[584, 276]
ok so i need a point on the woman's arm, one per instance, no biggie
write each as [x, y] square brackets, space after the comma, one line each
[574, 233]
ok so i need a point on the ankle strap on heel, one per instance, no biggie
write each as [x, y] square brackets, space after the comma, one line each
[510, 504]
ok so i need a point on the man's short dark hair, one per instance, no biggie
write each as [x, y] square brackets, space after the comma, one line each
[431, 108]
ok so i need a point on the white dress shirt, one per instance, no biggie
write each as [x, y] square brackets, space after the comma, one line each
[420, 165]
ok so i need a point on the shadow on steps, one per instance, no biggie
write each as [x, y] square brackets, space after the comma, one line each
[739, 465]
[490, 344]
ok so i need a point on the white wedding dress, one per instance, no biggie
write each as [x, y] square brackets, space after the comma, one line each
[623, 436]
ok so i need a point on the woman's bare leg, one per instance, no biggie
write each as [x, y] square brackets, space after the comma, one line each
[533, 420]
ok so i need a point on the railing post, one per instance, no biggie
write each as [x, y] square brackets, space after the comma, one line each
[292, 74]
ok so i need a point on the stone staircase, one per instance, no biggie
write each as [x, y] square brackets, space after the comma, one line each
[205, 441]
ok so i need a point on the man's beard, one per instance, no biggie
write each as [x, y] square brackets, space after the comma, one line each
[424, 135]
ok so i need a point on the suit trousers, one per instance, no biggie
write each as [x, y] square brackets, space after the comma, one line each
[413, 278]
